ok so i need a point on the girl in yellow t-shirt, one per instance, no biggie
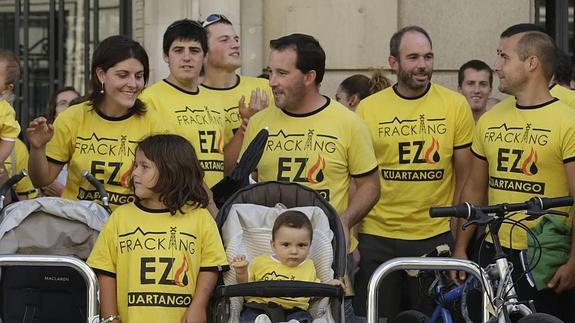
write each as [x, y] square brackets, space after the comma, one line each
[157, 259]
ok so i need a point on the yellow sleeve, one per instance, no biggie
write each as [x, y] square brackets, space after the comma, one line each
[477, 144]
[61, 147]
[361, 156]
[464, 125]
[10, 128]
[213, 257]
[568, 138]
[104, 254]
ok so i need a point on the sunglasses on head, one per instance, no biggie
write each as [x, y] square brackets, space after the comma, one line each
[185, 22]
[213, 18]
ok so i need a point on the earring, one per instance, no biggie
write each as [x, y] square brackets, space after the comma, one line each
[102, 90]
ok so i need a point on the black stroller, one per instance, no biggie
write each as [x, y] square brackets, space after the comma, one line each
[245, 223]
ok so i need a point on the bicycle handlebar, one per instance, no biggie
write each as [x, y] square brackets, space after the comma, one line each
[470, 212]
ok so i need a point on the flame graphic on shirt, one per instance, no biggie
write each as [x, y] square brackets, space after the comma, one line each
[125, 178]
[220, 142]
[315, 173]
[529, 167]
[181, 278]
[432, 153]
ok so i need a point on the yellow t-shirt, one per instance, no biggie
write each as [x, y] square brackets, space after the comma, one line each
[155, 258]
[323, 149]
[9, 127]
[564, 94]
[87, 140]
[24, 186]
[526, 149]
[266, 267]
[414, 140]
[228, 98]
[195, 117]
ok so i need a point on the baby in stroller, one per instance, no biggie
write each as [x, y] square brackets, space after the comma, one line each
[291, 241]
[246, 223]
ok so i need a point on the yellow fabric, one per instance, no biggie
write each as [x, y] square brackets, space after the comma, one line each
[155, 258]
[228, 98]
[564, 94]
[321, 150]
[526, 148]
[265, 267]
[9, 127]
[195, 117]
[104, 146]
[24, 186]
[414, 141]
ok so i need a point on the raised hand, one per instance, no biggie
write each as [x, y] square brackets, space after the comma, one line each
[39, 132]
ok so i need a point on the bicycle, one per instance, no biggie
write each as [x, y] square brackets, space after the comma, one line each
[505, 306]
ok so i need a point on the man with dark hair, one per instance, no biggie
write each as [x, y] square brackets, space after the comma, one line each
[186, 105]
[313, 140]
[238, 96]
[539, 161]
[421, 133]
[475, 81]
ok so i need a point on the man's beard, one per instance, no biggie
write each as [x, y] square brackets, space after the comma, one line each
[407, 79]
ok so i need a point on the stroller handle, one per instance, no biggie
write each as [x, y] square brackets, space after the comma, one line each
[278, 288]
[98, 185]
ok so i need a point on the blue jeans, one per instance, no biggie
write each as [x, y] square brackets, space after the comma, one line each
[249, 315]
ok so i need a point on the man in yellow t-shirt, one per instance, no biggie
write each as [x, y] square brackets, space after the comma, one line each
[421, 133]
[238, 96]
[313, 140]
[525, 147]
[182, 102]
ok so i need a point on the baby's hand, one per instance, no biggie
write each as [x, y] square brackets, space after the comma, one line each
[335, 282]
[239, 262]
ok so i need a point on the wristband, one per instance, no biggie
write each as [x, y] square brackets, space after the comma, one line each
[110, 319]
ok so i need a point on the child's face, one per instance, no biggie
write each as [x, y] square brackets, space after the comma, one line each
[291, 246]
[145, 175]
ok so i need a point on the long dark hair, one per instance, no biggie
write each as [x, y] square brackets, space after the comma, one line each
[110, 52]
[181, 178]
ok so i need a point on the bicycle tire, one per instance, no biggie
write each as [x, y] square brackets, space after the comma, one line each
[410, 316]
[540, 318]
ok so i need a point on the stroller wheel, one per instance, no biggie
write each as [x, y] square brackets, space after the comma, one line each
[411, 316]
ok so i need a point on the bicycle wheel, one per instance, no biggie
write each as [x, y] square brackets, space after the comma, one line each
[540, 318]
[411, 316]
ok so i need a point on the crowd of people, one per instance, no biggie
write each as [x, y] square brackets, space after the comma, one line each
[381, 153]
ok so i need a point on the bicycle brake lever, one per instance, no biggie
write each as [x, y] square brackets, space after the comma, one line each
[481, 221]
[555, 212]
[534, 214]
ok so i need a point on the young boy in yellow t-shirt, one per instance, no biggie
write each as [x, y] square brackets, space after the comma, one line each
[291, 240]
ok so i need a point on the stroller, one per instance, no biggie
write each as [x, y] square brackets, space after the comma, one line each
[42, 244]
[245, 223]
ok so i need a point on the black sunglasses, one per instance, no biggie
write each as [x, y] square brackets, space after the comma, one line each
[185, 22]
[213, 18]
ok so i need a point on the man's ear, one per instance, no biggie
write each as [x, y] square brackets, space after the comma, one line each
[393, 63]
[309, 77]
[354, 100]
[166, 58]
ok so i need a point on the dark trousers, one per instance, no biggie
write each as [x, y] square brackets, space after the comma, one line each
[376, 250]
[545, 301]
